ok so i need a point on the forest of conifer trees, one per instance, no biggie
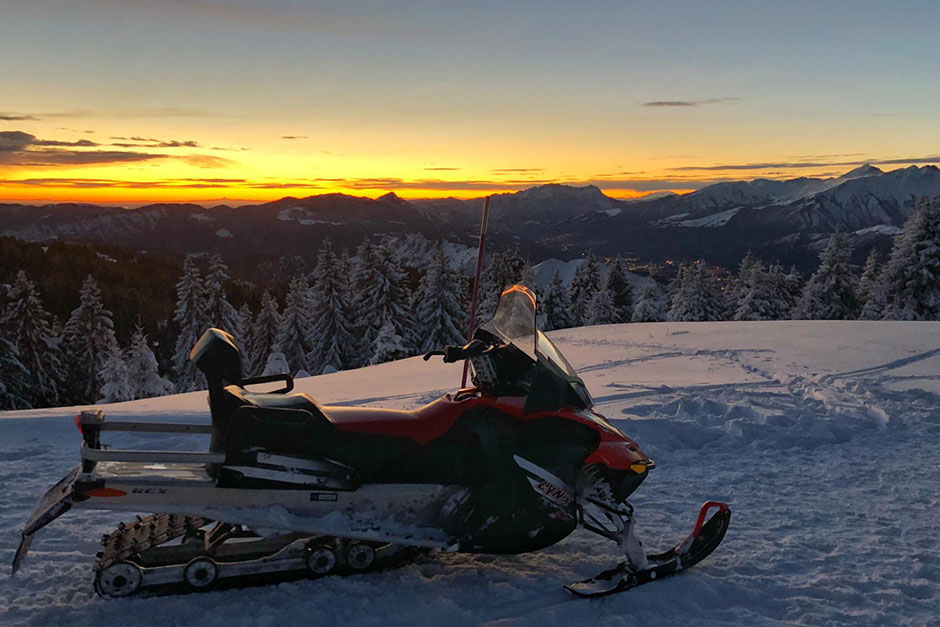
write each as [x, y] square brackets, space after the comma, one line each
[369, 307]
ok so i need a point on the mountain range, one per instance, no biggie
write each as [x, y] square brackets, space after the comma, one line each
[781, 220]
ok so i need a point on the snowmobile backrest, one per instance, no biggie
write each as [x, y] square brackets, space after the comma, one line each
[217, 356]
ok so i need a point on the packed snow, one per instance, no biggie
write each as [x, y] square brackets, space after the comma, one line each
[822, 437]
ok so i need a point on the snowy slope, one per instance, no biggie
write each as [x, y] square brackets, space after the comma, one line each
[822, 436]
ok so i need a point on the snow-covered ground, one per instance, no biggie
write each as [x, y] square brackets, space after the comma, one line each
[824, 437]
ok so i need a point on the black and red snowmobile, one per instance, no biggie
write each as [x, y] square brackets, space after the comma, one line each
[292, 488]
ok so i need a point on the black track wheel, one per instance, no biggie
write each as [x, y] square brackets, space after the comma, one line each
[360, 556]
[200, 572]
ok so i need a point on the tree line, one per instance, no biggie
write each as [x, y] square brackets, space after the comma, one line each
[366, 308]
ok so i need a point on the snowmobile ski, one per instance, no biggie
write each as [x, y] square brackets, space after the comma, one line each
[704, 539]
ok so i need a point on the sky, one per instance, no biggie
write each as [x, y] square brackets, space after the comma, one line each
[132, 101]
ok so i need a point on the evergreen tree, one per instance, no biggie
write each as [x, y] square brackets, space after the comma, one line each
[115, 387]
[870, 274]
[504, 270]
[264, 333]
[793, 288]
[389, 344]
[30, 327]
[387, 302]
[276, 364]
[89, 341]
[331, 341]
[358, 323]
[243, 335]
[830, 292]
[762, 295]
[13, 378]
[912, 274]
[876, 305]
[601, 309]
[620, 290]
[584, 285]
[740, 285]
[697, 296]
[191, 321]
[555, 305]
[294, 334]
[439, 317]
[143, 378]
[219, 312]
[649, 306]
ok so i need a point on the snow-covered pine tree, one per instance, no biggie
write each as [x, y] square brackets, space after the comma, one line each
[88, 341]
[294, 334]
[793, 288]
[13, 378]
[620, 290]
[601, 309]
[276, 364]
[912, 274]
[761, 298]
[870, 274]
[219, 312]
[115, 387]
[361, 273]
[506, 268]
[243, 335]
[876, 305]
[332, 345]
[697, 296]
[555, 305]
[585, 283]
[143, 377]
[389, 344]
[387, 304]
[830, 292]
[649, 305]
[740, 284]
[439, 317]
[782, 299]
[30, 327]
[264, 333]
[191, 322]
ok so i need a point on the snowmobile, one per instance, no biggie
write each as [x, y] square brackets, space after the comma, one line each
[292, 488]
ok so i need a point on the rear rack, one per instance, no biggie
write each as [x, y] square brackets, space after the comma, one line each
[92, 423]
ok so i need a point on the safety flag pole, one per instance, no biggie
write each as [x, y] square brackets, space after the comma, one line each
[476, 286]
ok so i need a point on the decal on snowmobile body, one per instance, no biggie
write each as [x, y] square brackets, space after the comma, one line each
[547, 485]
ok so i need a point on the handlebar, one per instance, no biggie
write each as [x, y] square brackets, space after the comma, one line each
[453, 354]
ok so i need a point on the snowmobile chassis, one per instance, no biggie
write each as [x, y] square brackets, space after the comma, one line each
[173, 552]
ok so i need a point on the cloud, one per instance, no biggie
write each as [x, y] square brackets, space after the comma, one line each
[12, 117]
[441, 169]
[18, 148]
[208, 161]
[95, 183]
[516, 170]
[689, 103]
[294, 137]
[149, 142]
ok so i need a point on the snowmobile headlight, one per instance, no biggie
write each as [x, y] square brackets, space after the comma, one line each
[638, 468]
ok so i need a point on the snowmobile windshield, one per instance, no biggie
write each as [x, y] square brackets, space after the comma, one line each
[514, 320]
[549, 353]
[556, 382]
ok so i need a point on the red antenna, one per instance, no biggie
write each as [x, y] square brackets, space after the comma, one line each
[476, 286]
